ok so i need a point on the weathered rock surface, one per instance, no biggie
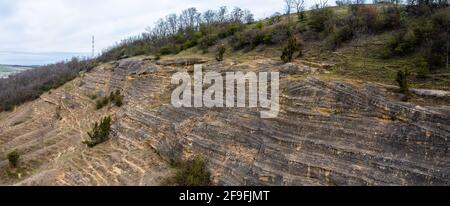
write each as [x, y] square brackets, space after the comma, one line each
[327, 133]
[187, 61]
[433, 93]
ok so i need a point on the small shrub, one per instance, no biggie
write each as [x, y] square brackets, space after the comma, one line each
[437, 49]
[102, 102]
[13, 159]
[116, 98]
[137, 50]
[254, 37]
[275, 18]
[259, 25]
[401, 43]
[391, 18]
[93, 96]
[321, 19]
[193, 173]
[278, 34]
[207, 41]
[422, 68]
[293, 46]
[165, 50]
[100, 132]
[267, 38]
[230, 30]
[220, 52]
[369, 18]
[248, 39]
[402, 80]
[189, 44]
[336, 39]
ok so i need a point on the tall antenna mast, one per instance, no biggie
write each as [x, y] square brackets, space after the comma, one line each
[93, 47]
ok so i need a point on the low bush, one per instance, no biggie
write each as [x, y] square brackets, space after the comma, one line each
[277, 35]
[294, 45]
[102, 102]
[321, 20]
[165, 50]
[259, 25]
[274, 19]
[13, 159]
[402, 81]
[336, 39]
[426, 35]
[193, 173]
[422, 67]
[437, 49]
[220, 52]
[390, 18]
[248, 39]
[230, 29]
[401, 43]
[115, 97]
[368, 18]
[207, 41]
[100, 132]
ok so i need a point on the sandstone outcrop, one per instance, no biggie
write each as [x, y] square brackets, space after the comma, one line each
[329, 132]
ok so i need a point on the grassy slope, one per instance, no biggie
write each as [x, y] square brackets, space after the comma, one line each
[357, 59]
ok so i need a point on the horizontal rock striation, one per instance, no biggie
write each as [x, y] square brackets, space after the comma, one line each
[328, 132]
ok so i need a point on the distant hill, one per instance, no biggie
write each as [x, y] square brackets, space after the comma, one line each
[41, 58]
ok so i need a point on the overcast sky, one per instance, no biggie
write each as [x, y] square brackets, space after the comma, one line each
[44, 31]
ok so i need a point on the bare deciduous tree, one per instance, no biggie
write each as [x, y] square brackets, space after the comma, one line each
[248, 17]
[222, 14]
[209, 17]
[237, 14]
[189, 18]
[288, 4]
[299, 5]
[172, 23]
[322, 4]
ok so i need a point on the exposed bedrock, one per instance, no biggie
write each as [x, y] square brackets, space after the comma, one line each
[327, 133]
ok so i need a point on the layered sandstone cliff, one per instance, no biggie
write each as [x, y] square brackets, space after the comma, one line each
[328, 132]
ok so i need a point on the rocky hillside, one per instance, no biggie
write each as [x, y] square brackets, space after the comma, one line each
[329, 132]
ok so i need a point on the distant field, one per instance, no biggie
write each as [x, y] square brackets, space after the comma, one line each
[6, 70]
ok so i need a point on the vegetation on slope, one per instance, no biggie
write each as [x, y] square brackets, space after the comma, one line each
[29, 85]
[190, 173]
[363, 41]
[100, 132]
[115, 97]
[13, 159]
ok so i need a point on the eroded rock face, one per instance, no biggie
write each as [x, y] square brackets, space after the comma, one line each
[48, 133]
[327, 133]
